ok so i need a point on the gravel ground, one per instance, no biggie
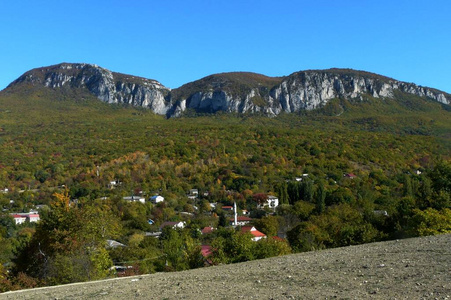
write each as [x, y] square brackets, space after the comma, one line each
[418, 268]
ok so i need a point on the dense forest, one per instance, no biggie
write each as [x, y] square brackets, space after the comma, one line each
[346, 174]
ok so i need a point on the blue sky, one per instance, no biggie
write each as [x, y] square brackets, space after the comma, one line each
[176, 42]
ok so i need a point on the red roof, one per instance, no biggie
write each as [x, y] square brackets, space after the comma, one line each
[279, 239]
[207, 230]
[241, 219]
[18, 216]
[253, 231]
[206, 250]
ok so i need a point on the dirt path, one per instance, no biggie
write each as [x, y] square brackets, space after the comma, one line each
[417, 268]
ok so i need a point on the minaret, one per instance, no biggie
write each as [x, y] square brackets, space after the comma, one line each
[236, 214]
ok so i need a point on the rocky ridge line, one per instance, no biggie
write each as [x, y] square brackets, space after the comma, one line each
[229, 92]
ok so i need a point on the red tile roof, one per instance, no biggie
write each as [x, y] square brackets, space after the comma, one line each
[207, 230]
[241, 219]
[206, 250]
[253, 231]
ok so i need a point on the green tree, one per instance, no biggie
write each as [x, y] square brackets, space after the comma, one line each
[431, 221]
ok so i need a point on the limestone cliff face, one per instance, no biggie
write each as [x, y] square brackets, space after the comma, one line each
[237, 92]
[312, 89]
[305, 90]
[105, 85]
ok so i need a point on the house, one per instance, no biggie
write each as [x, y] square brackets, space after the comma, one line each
[20, 218]
[257, 235]
[206, 251]
[135, 199]
[113, 184]
[173, 225]
[350, 175]
[227, 208]
[156, 199]
[193, 194]
[33, 217]
[381, 213]
[241, 220]
[114, 244]
[207, 230]
[271, 202]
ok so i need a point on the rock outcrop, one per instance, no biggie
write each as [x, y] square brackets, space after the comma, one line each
[306, 90]
[107, 86]
[237, 92]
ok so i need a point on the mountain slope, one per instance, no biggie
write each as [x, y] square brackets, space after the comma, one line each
[237, 92]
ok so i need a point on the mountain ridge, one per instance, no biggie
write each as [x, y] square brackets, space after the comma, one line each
[237, 92]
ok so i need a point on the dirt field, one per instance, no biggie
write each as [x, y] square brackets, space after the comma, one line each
[417, 268]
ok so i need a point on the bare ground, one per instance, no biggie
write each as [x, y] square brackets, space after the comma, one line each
[418, 268]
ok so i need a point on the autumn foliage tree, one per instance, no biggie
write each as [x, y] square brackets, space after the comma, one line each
[69, 243]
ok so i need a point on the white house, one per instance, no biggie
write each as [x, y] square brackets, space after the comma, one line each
[156, 199]
[173, 225]
[257, 235]
[193, 194]
[20, 218]
[135, 199]
[271, 202]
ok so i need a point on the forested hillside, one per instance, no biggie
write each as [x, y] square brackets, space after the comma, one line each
[345, 174]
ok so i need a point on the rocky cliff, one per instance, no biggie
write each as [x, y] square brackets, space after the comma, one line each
[107, 86]
[237, 92]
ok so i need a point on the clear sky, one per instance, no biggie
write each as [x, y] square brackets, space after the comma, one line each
[179, 41]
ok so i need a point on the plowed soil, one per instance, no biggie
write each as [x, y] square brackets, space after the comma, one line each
[418, 268]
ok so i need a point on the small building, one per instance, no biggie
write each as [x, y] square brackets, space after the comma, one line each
[240, 221]
[271, 202]
[193, 194]
[33, 217]
[381, 213]
[257, 235]
[350, 175]
[173, 225]
[135, 199]
[20, 218]
[207, 230]
[227, 208]
[114, 244]
[113, 184]
[156, 199]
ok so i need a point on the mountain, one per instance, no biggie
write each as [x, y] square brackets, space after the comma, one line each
[107, 86]
[238, 92]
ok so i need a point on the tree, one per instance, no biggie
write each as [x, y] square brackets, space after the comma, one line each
[69, 243]
[269, 225]
[431, 221]
[320, 195]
